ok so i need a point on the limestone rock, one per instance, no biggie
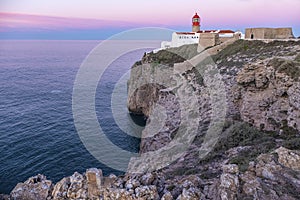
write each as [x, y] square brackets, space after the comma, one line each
[251, 184]
[60, 189]
[294, 111]
[288, 158]
[267, 98]
[167, 196]
[189, 191]
[258, 76]
[35, 188]
[266, 167]
[132, 184]
[143, 98]
[109, 181]
[117, 194]
[146, 192]
[94, 182]
[4, 197]
[77, 189]
[147, 179]
[231, 169]
[229, 182]
[270, 180]
[73, 187]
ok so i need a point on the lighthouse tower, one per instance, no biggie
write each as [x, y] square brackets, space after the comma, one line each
[196, 23]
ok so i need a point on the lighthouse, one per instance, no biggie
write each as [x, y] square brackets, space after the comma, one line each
[196, 23]
[205, 38]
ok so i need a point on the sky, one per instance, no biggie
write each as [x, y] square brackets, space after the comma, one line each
[99, 19]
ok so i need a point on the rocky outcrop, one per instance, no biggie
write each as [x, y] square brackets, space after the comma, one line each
[37, 187]
[73, 187]
[229, 182]
[267, 95]
[4, 197]
[288, 158]
[90, 185]
[267, 177]
[142, 100]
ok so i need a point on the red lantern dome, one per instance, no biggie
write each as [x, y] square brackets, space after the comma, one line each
[196, 20]
[196, 16]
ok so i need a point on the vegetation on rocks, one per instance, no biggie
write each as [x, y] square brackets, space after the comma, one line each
[289, 67]
[169, 56]
[241, 134]
[245, 51]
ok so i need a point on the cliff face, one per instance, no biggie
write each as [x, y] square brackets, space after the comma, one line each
[269, 93]
[221, 126]
[258, 84]
[258, 113]
[264, 84]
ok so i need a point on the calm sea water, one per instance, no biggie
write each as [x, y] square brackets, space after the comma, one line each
[37, 132]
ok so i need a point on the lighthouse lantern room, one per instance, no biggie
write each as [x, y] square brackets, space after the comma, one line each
[196, 23]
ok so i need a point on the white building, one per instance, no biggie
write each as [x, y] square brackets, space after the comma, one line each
[181, 38]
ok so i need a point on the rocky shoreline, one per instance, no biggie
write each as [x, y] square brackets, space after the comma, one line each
[271, 176]
[255, 151]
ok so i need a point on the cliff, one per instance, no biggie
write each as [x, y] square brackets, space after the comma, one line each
[233, 106]
[258, 83]
[221, 124]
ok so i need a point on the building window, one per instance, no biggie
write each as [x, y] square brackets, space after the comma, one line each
[252, 36]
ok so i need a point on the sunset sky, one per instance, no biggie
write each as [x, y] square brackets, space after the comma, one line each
[98, 19]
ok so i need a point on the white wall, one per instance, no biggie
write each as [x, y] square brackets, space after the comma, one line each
[182, 39]
[226, 34]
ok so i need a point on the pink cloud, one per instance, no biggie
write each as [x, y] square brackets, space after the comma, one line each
[26, 21]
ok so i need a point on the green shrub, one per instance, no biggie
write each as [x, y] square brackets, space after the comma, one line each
[293, 143]
[250, 154]
[237, 134]
[288, 67]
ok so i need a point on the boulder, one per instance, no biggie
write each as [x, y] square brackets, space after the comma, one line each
[35, 188]
[289, 158]
[94, 180]
[229, 182]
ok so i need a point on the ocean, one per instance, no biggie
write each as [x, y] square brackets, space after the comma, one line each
[37, 131]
